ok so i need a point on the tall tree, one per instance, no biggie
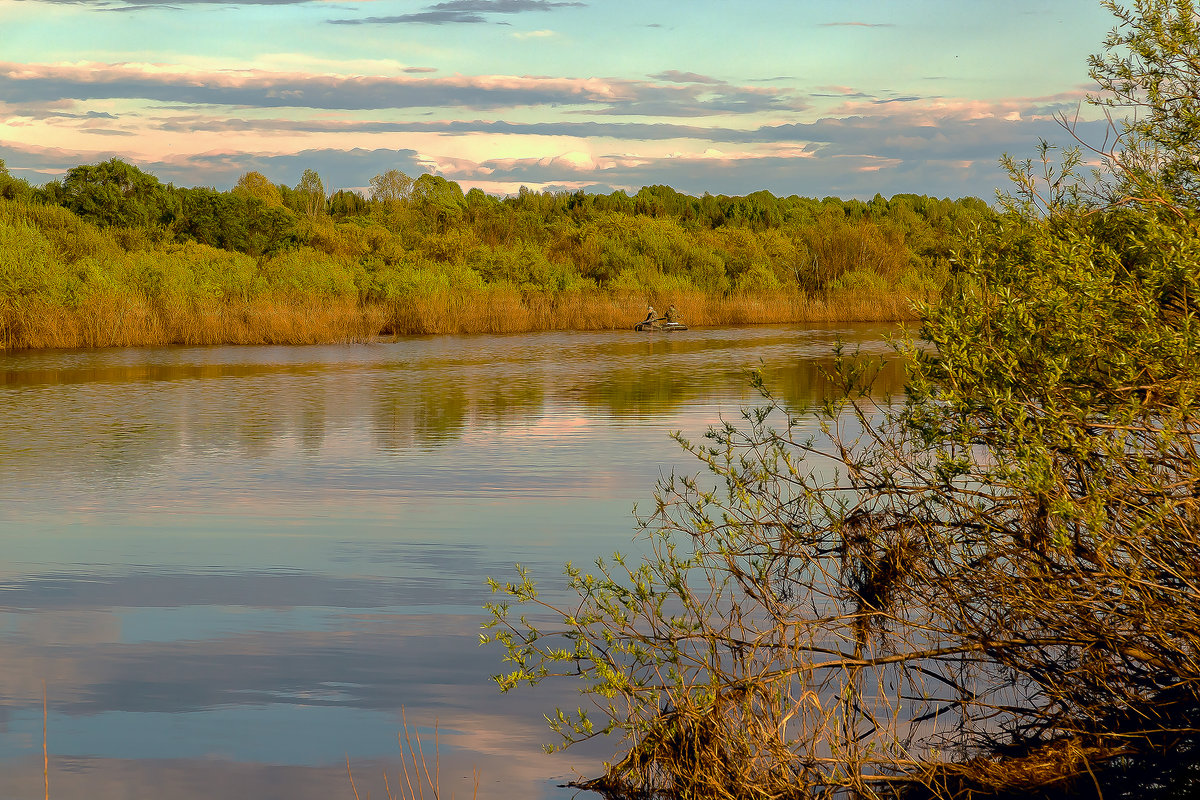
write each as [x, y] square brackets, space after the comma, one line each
[345, 203]
[1150, 73]
[13, 188]
[391, 187]
[311, 192]
[255, 184]
[439, 198]
[115, 192]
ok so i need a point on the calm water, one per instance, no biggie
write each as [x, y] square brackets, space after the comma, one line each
[233, 567]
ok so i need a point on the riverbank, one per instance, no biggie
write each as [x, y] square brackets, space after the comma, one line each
[131, 321]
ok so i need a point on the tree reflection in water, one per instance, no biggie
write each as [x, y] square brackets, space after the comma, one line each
[233, 566]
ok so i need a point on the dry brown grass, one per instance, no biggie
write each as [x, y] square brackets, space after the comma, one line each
[129, 320]
[125, 321]
[510, 311]
[1063, 768]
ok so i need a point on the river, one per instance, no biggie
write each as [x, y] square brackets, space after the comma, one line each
[233, 569]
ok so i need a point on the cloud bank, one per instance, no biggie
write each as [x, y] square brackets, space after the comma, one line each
[462, 11]
[42, 83]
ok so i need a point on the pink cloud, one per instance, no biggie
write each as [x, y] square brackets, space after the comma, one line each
[183, 85]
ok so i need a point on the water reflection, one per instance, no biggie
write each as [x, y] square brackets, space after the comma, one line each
[234, 566]
[119, 419]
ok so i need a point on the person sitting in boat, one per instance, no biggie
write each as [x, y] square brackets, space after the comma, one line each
[650, 316]
[672, 314]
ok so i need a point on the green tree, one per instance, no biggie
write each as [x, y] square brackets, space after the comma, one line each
[1150, 71]
[344, 203]
[233, 221]
[14, 188]
[391, 187]
[115, 192]
[255, 184]
[310, 193]
[439, 199]
[214, 218]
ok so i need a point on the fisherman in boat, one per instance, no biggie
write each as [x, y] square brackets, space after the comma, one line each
[650, 317]
[672, 315]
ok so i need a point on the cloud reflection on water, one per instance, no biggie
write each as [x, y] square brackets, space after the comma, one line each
[234, 566]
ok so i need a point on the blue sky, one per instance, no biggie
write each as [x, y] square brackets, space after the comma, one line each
[808, 97]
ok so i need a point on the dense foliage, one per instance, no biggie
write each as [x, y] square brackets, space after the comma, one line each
[1151, 67]
[111, 231]
[541, 240]
[990, 589]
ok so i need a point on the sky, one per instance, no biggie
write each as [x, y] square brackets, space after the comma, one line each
[817, 98]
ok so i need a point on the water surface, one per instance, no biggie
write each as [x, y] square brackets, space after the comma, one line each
[232, 568]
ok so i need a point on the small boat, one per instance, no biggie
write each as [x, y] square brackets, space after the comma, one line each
[660, 326]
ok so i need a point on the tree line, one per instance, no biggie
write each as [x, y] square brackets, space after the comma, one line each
[555, 241]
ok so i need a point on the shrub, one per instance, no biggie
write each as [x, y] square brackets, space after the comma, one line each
[991, 588]
[311, 272]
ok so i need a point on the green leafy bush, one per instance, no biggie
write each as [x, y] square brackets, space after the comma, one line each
[989, 588]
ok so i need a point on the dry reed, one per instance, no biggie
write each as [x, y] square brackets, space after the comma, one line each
[510, 311]
[45, 751]
[130, 321]
[420, 778]
[126, 320]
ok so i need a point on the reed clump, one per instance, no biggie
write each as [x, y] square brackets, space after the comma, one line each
[124, 321]
[508, 310]
[416, 777]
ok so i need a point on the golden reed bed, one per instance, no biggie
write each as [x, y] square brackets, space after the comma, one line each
[130, 321]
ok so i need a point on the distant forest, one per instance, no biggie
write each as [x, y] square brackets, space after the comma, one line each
[420, 255]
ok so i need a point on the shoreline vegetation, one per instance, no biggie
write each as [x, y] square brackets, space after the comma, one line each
[131, 321]
[111, 257]
[989, 589]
